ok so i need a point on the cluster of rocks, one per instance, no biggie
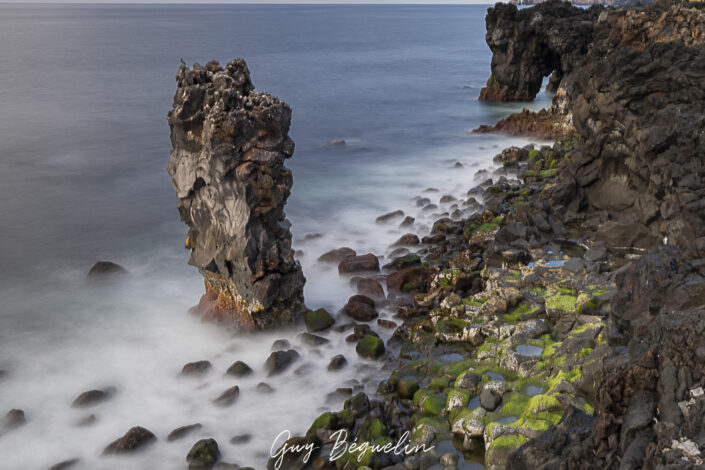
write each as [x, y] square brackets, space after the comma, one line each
[227, 167]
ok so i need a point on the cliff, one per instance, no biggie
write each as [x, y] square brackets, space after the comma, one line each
[227, 167]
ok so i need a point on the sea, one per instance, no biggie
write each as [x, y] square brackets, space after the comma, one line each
[383, 100]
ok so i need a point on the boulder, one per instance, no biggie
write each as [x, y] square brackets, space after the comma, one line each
[354, 264]
[135, 440]
[360, 308]
[239, 369]
[370, 347]
[183, 431]
[93, 397]
[228, 397]
[318, 320]
[104, 270]
[196, 369]
[337, 255]
[279, 361]
[203, 455]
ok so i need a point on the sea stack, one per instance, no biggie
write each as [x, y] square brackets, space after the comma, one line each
[227, 168]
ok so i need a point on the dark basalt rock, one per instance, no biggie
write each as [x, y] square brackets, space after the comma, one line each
[228, 397]
[529, 44]
[227, 168]
[183, 431]
[360, 308]
[196, 369]
[239, 369]
[279, 361]
[93, 397]
[104, 270]
[135, 440]
[203, 455]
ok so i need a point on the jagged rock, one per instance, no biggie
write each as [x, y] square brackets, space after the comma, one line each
[227, 168]
[135, 440]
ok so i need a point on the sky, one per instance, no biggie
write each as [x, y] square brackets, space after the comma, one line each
[423, 2]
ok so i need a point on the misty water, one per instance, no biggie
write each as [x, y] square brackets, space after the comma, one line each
[83, 152]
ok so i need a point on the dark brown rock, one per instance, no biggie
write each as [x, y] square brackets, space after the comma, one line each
[196, 369]
[183, 431]
[239, 369]
[337, 255]
[360, 308]
[279, 361]
[353, 264]
[135, 440]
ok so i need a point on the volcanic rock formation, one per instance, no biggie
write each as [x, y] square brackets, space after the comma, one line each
[227, 167]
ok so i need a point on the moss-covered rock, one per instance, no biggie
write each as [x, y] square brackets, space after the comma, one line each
[370, 347]
[317, 320]
[406, 387]
[203, 455]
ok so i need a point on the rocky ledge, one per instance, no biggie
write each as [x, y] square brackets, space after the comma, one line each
[227, 167]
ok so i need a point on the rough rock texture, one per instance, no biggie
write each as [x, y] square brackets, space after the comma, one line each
[528, 45]
[227, 167]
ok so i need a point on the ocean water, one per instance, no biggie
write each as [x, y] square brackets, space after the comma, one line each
[84, 145]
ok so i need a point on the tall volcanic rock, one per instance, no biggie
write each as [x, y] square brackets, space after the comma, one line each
[227, 168]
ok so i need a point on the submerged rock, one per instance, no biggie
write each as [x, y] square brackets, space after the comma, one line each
[104, 270]
[239, 369]
[227, 168]
[65, 465]
[183, 431]
[135, 440]
[93, 397]
[13, 420]
[228, 397]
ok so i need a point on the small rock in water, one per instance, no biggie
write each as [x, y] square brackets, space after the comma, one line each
[336, 256]
[370, 347]
[196, 369]
[104, 270]
[422, 201]
[386, 323]
[318, 320]
[241, 439]
[264, 387]
[490, 400]
[14, 419]
[239, 369]
[203, 455]
[136, 439]
[407, 222]
[353, 264]
[430, 190]
[409, 239]
[339, 394]
[338, 362]
[360, 308]
[430, 207]
[313, 236]
[312, 340]
[458, 165]
[228, 397]
[280, 344]
[447, 198]
[182, 431]
[65, 465]
[3, 373]
[367, 286]
[383, 219]
[336, 143]
[93, 397]
[279, 361]
[398, 253]
[86, 421]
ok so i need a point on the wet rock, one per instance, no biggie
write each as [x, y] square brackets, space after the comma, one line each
[229, 144]
[338, 362]
[239, 369]
[135, 440]
[337, 255]
[13, 420]
[228, 397]
[196, 369]
[370, 347]
[65, 465]
[367, 286]
[490, 400]
[313, 340]
[406, 387]
[407, 222]
[279, 361]
[203, 455]
[360, 308]
[93, 397]
[264, 387]
[383, 219]
[318, 320]
[354, 264]
[86, 421]
[408, 280]
[241, 439]
[410, 239]
[280, 344]
[104, 270]
[386, 323]
[182, 432]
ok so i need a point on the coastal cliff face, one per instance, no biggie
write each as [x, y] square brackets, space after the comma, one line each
[530, 44]
[227, 168]
[632, 90]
